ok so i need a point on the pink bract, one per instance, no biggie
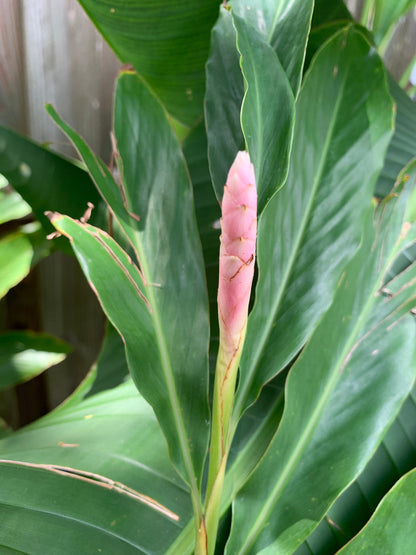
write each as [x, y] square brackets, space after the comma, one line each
[237, 251]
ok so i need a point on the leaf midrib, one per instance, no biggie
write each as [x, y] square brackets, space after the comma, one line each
[275, 21]
[166, 364]
[163, 351]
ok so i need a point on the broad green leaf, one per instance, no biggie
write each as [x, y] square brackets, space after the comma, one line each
[321, 34]
[341, 395]
[168, 333]
[207, 208]
[116, 462]
[312, 227]
[280, 21]
[24, 355]
[268, 89]
[402, 147]
[385, 16]
[167, 43]
[45, 180]
[267, 112]
[328, 11]
[392, 528]
[129, 311]
[407, 257]
[329, 17]
[395, 456]
[44, 508]
[19, 252]
[12, 206]
[158, 189]
[223, 98]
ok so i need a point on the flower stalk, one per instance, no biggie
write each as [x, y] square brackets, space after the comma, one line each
[237, 261]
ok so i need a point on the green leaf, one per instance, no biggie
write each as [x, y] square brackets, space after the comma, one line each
[312, 227]
[268, 87]
[386, 14]
[12, 206]
[130, 313]
[19, 252]
[328, 11]
[403, 261]
[157, 190]
[87, 470]
[24, 355]
[395, 456]
[167, 43]
[281, 21]
[267, 112]
[345, 389]
[329, 17]
[73, 524]
[224, 95]
[111, 367]
[402, 147]
[45, 180]
[392, 527]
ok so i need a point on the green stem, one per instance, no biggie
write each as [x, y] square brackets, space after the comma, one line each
[201, 547]
[200, 531]
[224, 391]
[213, 508]
[385, 41]
[367, 14]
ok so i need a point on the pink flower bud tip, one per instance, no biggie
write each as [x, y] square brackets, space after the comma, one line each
[237, 251]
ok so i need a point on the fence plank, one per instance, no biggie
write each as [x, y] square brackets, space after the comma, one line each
[68, 64]
[12, 90]
[51, 52]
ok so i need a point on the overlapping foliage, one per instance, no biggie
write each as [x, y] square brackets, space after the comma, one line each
[330, 354]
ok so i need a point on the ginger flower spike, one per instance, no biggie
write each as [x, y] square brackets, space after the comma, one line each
[237, 252]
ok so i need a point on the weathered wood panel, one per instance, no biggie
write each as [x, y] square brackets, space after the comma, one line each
[51, 52]
[68, 64]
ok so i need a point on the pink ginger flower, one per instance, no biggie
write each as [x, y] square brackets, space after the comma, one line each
[237, 252]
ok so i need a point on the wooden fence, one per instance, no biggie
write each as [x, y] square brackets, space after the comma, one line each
[51, 52]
